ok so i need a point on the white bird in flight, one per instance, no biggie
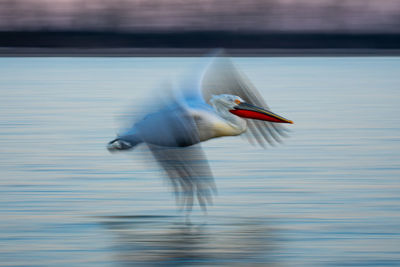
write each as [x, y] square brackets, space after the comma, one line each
[213, 102]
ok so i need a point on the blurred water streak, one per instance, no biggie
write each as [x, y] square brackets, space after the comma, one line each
[329, 196]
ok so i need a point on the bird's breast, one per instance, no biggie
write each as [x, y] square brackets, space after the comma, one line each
[210, 125]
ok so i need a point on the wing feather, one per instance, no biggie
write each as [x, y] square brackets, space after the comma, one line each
[189, 173]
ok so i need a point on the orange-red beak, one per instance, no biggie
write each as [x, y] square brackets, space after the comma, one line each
[249, 111]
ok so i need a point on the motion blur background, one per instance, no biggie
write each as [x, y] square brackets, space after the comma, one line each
[328, 196]
[356, 16]
[200, 23]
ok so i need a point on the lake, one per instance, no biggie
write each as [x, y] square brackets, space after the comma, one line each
[328, 196]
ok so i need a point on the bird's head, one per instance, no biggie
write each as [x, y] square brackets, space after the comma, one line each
[237, 106]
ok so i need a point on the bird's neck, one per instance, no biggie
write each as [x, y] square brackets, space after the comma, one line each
[237, 124]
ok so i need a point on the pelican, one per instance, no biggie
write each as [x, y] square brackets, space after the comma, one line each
[215, 101]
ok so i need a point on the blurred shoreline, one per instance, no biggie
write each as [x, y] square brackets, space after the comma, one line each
[188, 52]
[195, 43]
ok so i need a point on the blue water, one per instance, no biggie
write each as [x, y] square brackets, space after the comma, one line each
[328, 196]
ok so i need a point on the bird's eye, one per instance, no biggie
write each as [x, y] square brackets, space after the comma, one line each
[237, 101]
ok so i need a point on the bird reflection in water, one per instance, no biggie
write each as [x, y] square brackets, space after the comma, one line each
[159, 240]
[212, 101]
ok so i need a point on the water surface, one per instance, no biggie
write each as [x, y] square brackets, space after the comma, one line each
[330, 195]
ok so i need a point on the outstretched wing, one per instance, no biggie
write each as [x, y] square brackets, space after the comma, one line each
[189, 89]
[222, 77]
[189, 173]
